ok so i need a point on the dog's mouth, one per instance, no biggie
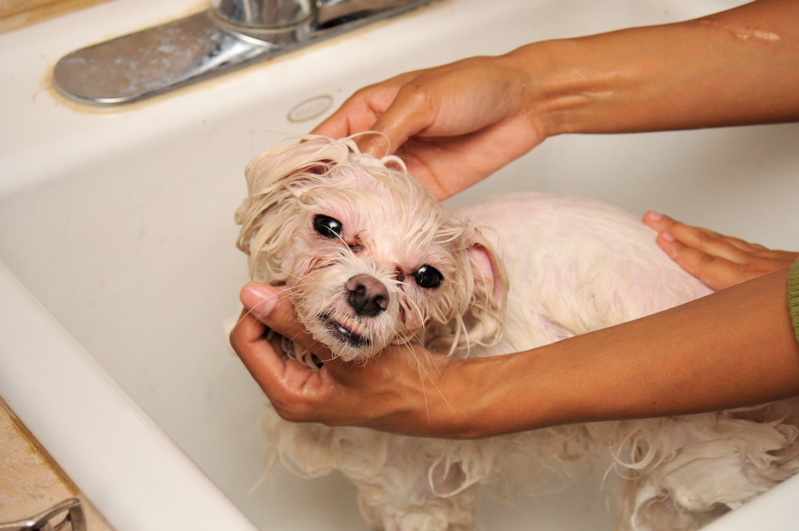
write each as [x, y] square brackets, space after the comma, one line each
[346, 330]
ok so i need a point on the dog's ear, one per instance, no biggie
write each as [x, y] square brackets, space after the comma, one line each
[274, 180]
[484, 315]
[489, 275]
[478, 307]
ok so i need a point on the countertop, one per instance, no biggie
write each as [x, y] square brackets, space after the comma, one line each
[30, 481]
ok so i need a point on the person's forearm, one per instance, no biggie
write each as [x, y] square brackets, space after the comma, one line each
[733, 68]
[733, 348]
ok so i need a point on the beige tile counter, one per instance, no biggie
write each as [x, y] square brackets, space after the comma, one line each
[30, 482]
[19, 13]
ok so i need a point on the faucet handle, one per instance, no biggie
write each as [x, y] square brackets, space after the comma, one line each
[333, 12]
[55, 518]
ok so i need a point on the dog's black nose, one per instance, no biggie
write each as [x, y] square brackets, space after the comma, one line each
[368, 296]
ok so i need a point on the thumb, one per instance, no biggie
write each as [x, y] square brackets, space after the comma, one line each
[271, 306]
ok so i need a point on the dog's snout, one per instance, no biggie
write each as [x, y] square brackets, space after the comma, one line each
[368, 296]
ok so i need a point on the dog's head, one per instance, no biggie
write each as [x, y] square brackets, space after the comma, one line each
[369, 257]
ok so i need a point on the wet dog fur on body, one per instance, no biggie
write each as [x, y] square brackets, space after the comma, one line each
[370, 258]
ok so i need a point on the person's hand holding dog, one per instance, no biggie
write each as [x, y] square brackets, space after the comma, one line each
[452, 125]
[403, 388]
[717, 260]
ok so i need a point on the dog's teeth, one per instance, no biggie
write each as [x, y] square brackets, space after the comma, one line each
[347, 330]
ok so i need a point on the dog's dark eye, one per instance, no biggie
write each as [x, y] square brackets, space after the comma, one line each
[328, 227]
[428, 277]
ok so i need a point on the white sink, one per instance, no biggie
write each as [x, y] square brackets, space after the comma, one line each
[119, 264]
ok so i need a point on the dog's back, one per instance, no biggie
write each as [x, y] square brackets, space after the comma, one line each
[576, 265]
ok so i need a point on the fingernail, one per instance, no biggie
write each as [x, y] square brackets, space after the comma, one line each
[258, 298]
[672, 250]
[654, 216]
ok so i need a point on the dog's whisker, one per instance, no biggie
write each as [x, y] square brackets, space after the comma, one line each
[424, 376]
[421, 373]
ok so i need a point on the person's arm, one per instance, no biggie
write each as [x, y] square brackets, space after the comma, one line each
[733, 348]
[456, 124]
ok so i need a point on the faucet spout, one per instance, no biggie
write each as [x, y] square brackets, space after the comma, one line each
[273, 21]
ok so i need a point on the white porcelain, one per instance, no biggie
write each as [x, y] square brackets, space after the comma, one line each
[117, 240]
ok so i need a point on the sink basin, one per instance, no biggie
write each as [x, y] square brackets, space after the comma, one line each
[119, 265]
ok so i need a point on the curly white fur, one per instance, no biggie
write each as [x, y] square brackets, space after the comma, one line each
[575, 266]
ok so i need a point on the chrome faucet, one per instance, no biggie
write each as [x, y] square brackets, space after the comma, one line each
[274, 21]
[229, 35]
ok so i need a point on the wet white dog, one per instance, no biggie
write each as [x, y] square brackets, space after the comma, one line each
[371, 258]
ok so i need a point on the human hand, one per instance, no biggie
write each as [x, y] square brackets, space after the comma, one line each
[453, 125]
[401, 390]
[717, 260]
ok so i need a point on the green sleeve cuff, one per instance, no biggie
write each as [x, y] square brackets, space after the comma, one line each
[793, 297]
